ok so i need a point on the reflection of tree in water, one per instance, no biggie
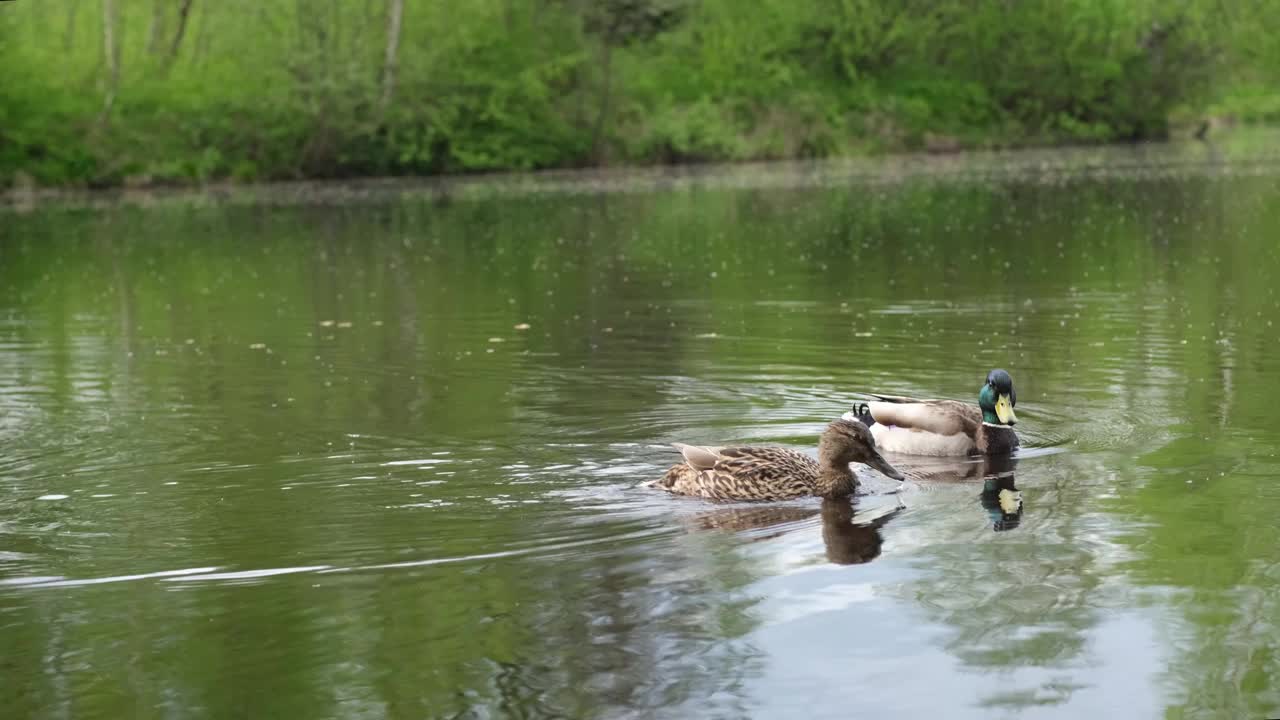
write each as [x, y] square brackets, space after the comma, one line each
[1009, 604]
[603, 633]
[592, 634]
[618, 343]
[644, 633]
[1209, 534]
[637, 633]
[460, 638]
[1204, 501]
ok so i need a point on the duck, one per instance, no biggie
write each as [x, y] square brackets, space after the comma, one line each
[761, 474]
[944, 427]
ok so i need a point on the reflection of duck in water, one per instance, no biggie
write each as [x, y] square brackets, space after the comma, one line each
[956, 469]
[853, 539]
[850, 538]
[1002, 501]
[772, 473]
[762, 521]
[945, 427]
[999, 497]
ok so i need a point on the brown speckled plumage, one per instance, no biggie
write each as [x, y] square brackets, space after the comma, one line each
[772, 473]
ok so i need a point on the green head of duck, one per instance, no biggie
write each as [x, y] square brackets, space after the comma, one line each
[997, 399]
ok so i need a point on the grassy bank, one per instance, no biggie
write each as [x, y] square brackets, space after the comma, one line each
[109, 92]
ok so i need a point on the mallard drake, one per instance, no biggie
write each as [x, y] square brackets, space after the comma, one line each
[945, 427]
[772, 473]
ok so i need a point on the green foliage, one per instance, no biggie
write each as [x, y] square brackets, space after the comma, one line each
[252, 90]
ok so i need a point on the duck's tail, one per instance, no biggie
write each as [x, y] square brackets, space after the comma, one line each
[860, 412]
[668, 479]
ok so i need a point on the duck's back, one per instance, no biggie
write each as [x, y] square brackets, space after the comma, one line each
[925, 427]
[746, 473]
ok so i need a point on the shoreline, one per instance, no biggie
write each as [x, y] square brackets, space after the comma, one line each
[1253, 150]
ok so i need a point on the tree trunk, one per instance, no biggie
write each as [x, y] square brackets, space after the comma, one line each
[73, 8]
[606, 67]
[395, 13]
[111, 53]
[157, 27]
[204, 36]
[184, 11]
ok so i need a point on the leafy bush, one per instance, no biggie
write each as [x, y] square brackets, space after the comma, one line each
[247, 90]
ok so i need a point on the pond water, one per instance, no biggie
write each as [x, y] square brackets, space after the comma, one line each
[379, 457]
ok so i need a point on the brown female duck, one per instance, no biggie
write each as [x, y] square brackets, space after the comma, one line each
[772, 473]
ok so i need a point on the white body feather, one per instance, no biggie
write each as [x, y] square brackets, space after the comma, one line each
[921, 442]
[918, 442]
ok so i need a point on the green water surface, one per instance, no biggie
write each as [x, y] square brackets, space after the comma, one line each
[379, 458]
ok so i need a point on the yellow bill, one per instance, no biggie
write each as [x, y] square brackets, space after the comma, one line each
[1004, 410]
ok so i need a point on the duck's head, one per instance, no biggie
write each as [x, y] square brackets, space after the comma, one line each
[849, 441]
[997, 399]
